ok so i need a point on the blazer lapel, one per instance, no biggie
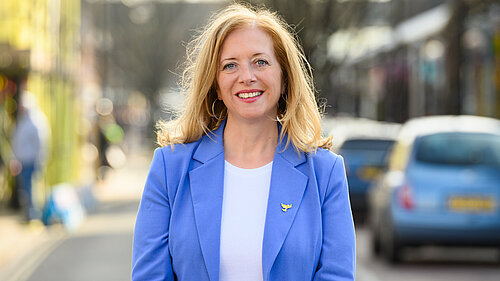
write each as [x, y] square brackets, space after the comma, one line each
[287, 188]
[206, 184]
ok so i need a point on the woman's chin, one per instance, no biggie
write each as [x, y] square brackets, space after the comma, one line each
[254, 117]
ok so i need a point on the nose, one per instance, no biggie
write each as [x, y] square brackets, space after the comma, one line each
[247, 75]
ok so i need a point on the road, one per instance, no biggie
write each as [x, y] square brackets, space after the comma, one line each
[101, 248]
[427, 263]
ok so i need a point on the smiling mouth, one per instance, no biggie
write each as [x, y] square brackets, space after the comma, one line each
[249, 95]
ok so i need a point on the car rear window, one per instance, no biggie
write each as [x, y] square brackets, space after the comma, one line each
[373, 151]
[459, 149]
[368, 144]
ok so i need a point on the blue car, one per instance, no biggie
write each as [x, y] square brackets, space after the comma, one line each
[365, 159]
[364, 144]
[442, 186]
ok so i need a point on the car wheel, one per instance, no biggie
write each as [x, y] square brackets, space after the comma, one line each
[498, 255]
[375, 242]
[391, 247]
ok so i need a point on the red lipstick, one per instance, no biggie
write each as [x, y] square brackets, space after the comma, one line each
[249, 99]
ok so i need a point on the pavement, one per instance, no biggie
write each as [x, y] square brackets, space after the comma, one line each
[24, 246]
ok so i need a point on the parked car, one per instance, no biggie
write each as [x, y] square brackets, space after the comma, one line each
[442, 186]
[364, 144]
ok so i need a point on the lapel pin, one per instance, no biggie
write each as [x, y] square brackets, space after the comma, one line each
[285, 208]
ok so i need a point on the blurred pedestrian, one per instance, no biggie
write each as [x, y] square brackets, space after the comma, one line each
[30, 140]
[244, 187]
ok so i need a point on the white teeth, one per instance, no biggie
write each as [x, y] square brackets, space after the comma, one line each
[249, 95]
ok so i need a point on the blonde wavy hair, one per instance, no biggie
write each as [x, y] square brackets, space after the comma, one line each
[298, 112]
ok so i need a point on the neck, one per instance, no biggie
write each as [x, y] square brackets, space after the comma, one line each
[250, 145]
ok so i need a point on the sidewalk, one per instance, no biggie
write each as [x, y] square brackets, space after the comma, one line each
[126, 183]
[24, 246]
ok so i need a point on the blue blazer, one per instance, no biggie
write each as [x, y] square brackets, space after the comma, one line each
[177, 232]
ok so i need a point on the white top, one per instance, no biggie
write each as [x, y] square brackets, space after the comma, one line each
[244, 208]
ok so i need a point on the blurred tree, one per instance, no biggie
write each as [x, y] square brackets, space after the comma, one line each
[461, 9]
[455, 57]
[139, 47]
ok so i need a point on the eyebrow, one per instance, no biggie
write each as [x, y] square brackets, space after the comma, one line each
[254, 55]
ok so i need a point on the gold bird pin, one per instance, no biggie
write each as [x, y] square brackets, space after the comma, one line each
[285, 208]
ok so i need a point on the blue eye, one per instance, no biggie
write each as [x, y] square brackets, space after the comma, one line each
[262, 62]
[229, 66]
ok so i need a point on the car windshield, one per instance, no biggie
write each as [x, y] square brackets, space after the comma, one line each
[459, 149]
[373, 151]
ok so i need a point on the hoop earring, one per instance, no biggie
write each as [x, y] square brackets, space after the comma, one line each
[281, 105]
[213, 111]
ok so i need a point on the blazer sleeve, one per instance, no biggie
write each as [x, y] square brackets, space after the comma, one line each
[338, 253]
[151, 257]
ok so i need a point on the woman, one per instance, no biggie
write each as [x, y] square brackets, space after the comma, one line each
[244, 187]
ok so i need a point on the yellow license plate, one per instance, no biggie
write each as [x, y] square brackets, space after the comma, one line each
[472, 204]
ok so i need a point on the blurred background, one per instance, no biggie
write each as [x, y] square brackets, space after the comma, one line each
[82, 83]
